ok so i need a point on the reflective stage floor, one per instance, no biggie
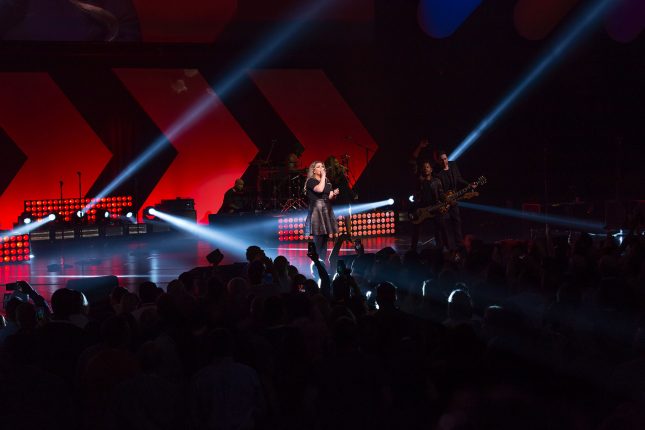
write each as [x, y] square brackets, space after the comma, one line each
[159, 259]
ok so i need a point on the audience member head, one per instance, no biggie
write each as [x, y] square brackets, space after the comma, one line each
[292, 271]
[188, 282]
[385, 295]
[281, 266]
[148, 292]
[115, 297]
[129, 303]
[254, 252]
[66, 302]
[460, 306]
[298, 283]
[311, 287]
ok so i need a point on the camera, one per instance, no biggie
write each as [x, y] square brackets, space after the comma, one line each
[13, 286]
[311, 248]
[358, 246]
[342, 269]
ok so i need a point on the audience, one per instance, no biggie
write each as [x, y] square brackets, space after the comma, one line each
[512, 335]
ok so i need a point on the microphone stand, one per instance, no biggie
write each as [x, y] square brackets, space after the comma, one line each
[80, 189]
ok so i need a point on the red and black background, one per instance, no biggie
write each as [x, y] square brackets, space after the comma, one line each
[363, 75]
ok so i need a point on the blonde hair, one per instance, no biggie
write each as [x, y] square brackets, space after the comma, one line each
[310, 173]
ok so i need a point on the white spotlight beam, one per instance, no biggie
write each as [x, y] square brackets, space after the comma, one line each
[25, 229]
[562, 45]
[211, 235]
[363, 207]
[279, 37]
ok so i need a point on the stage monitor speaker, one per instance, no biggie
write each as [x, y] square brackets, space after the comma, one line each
[96, 289]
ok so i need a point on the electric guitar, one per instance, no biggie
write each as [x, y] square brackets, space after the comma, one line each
[449, 199]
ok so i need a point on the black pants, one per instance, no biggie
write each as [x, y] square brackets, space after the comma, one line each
[453, 222]
[321, 245]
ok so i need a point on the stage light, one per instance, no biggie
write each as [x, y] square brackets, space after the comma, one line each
[363, 207]
[561, 45]
[129, 215]
[570, 222]
[27, 220]
[280, 35]
[411, 198]
[147, 213]
[231, 242]
[80, 214]
[26, 228]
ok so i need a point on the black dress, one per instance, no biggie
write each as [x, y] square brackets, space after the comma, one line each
[320, 219]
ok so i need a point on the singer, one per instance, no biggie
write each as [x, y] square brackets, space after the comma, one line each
[321, 222]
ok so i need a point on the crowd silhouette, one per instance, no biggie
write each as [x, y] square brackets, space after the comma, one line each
[513, 335]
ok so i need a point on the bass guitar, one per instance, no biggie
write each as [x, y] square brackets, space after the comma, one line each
[421, 214]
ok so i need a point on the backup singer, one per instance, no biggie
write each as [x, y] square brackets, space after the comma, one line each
[321, 222]
[337, 174]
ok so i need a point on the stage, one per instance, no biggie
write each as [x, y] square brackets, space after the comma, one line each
[158, 258]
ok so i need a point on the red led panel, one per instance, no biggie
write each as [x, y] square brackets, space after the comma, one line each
[56, 140]
[15, 249]
[318, 116]
[212, 151]
[379, 223]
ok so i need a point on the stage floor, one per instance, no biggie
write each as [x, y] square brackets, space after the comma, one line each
[159, 259]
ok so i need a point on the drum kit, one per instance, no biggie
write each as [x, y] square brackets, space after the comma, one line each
[281, 187]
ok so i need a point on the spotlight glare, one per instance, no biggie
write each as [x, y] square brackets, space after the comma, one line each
[80, 214]
[574, 223]
[27, 220]
[30, 226]
[411, 198]
[363, 207]
[129, 215]
[147, 213]
[209, 234]
[563, 43]
[238, 73]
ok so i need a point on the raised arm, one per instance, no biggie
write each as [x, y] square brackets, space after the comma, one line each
[325, 281]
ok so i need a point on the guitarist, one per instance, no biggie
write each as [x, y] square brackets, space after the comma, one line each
[428, 193]
[451, 180]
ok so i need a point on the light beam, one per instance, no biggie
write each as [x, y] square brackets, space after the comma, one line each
[562, 44]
